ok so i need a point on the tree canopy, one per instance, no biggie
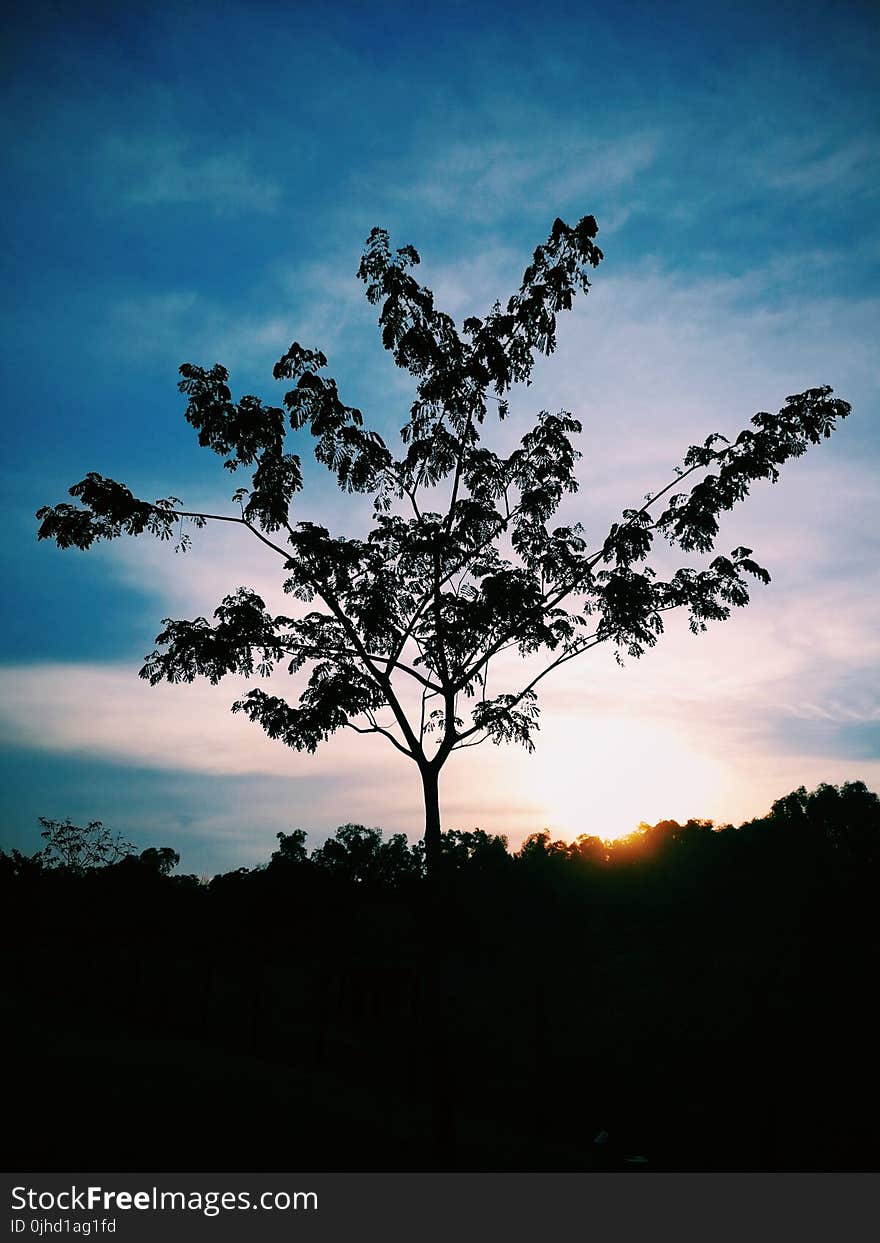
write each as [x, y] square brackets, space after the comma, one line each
[461, 561]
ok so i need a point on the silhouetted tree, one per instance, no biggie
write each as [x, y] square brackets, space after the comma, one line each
[17, 866]
[360, 855]
[161, 859]
[474, 849]
[461, 562]
[539, 850]
[588, 851]
[291, 849]
[846, 817]
[78, 849]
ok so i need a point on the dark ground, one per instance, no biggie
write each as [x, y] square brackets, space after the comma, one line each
[706, 999]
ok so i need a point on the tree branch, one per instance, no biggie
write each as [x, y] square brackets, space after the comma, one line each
[382, 679]
[377, 729]
[318, 652]
[584, 646]
[186, 513]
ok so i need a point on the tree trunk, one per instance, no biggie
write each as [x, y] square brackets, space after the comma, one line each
[431, 787]
[437, 1051]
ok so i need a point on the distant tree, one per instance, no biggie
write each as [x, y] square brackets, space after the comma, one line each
[845, 816]
[538, 847]
[78, 849]
[17, 866]
[474, 849]
[291, 849]
[161, 859]
[461, 562]
[361, 855]
[589, 851]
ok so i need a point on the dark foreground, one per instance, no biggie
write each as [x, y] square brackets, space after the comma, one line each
[704, 998]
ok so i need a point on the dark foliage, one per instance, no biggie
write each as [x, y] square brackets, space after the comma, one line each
[704, 995]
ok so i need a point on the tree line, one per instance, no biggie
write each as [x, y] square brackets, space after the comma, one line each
[689, 997]
[840, 822]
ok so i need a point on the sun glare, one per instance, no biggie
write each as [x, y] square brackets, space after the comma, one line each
[606, 777]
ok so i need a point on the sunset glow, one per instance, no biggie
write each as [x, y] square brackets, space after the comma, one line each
[604, 777]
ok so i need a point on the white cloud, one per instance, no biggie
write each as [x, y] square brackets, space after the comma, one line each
[150, 172]
[697, 727]
[181, 325]
[484, 181]
[847, 168]
[108, 712]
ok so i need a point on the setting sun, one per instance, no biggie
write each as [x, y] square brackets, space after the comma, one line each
[604, 777]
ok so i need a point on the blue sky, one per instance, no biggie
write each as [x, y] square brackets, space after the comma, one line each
[194, 183]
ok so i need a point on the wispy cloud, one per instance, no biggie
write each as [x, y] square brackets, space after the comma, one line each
[182, 325]
[107, 712]
[152, 171]
[486, 180]
[846, 167]
[715, 726]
